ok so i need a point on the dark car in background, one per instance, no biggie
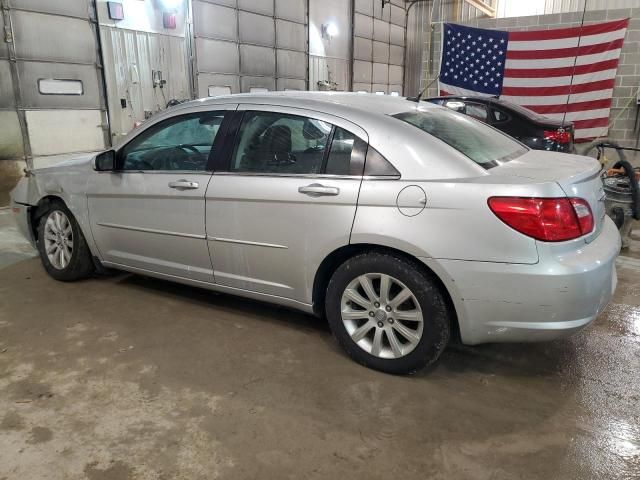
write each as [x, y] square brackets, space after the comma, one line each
[534, 130]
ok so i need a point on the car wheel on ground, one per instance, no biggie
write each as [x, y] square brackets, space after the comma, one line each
[387, 313]
[62, 246]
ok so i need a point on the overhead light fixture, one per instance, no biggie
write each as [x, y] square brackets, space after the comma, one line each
[171, 4]
[329, 30]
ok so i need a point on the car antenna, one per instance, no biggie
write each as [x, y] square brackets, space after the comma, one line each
[418, 97]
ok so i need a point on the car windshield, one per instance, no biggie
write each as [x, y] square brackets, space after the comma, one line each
[481, 143]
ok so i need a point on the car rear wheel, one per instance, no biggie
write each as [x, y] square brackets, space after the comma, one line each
[62, 247]
[387, 313]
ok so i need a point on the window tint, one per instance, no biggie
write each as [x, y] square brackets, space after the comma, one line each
[378, 166]
[500, 116]
[477, 111]
[339, 160]
[481, 143]
[270, 142]
[181, 143]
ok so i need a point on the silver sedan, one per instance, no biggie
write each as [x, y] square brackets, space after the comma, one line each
[403, 223]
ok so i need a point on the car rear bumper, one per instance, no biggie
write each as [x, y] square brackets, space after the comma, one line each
[559, 295]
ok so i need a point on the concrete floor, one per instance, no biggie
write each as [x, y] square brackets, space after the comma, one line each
[131, 378]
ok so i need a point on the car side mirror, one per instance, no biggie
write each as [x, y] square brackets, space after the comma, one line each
[106, 161]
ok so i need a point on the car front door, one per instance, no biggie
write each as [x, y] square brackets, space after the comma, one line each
[284, 198]
[149, 214]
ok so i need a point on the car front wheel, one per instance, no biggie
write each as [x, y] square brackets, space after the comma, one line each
[387, 313]
[62, 247]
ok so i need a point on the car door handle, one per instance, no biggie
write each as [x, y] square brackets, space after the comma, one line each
[318, 190]
[184, 185]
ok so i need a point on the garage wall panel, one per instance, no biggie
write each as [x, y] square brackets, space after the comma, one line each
[294, 10]
[73, 131]
[32, 72]
[7, 99]
[67, 38]
[364, 6]
[215, 56]
[260, 6]
[291, 64]
[76, 8]
[257, 29]
[266, 40]
[215, 21]
[11, 145]
[291, 84]
[255, 60]
[290, 35]
[379, 28]
[248, 82]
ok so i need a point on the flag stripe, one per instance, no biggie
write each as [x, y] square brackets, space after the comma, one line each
[563, 52]
[557, 33]
[557, 99]
[591, 123]
[560, 90]
[559, 81]
[459, 91]
[561, 71]
[571, 107]
[580, 115]
[573, 42]
[564, 62]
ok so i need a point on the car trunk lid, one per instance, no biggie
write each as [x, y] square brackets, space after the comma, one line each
[577, 176]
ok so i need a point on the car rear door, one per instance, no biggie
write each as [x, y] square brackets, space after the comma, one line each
[149, 214]
[283, 199]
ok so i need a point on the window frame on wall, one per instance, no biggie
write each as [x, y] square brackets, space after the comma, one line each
[61, 81]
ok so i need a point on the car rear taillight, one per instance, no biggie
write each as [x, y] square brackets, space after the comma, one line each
[546, 219]
[560, 136]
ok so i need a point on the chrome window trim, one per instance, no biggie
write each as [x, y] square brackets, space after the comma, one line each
[176, 172]
[310, 176]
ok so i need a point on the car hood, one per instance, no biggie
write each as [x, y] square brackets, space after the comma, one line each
[69, 163]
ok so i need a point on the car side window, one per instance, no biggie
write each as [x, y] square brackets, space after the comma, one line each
[271, 142]
[340, 159]
[499, 116]
[477, 111]
[179, 143]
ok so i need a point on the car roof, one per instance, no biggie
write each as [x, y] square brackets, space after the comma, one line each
[328, 102]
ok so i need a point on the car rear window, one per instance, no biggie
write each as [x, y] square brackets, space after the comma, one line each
[482, 144]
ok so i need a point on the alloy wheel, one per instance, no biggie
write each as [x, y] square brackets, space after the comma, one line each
[382, 315]
[58, 239]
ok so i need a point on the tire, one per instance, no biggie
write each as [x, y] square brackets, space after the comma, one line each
[77, 262]
[377, 349]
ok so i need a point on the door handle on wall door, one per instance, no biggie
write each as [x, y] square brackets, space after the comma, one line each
[184, 185]
[318, 190]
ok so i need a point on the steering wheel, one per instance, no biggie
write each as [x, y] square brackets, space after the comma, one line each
[187, 147]
[282, 158]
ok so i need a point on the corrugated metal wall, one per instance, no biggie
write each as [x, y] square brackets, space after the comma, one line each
[49, 41]
[243, 45]
[378, 50]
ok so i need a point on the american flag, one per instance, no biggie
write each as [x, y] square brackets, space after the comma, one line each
[535, 69]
